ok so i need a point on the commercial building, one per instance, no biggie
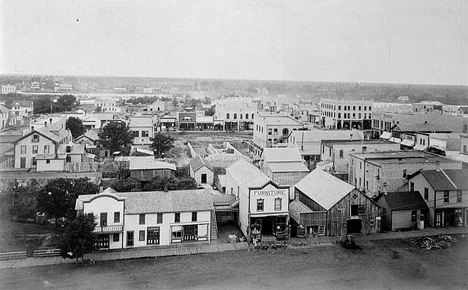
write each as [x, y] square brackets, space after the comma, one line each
[142, 128]
[335, 208]
[236, 114]
[346, 114]
[107, 104]
[152, 218]
[378, 172]
[263, 205]
[272, 130]
[8, 89]
[445, 192]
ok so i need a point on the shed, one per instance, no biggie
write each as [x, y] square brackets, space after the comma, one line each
[201, 171]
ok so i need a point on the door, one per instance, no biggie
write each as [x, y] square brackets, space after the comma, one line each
[103, 219]
[102, 242]
[438, 219]
[203, 178]
[23, 162]
[130, 239]
[354, 226]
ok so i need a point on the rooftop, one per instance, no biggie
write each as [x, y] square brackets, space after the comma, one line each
[284, 120]
[322, 135]
[296, 208]
[447, 179]
[287, 154]
[408, 200]
[288, 167]
[198, 162]
[148, 163]
[246, 173]
[324, 188]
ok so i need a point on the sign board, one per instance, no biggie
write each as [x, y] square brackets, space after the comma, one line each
[270, 192]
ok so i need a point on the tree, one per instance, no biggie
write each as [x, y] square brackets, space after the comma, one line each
[66, 102]
[210, 112]
[170, 183]
[115, 136]
[127, 185]
[23, 199]
[57, 199]
[162, 143]
[77, 238]
[75, 125]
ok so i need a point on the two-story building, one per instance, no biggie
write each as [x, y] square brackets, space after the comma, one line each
[142, 128]
[156, 106]
[152, 218]
[187, 120]
[445, 192]
[271, 130]
[379, 172]
[263, 205]
[235, 114]
[4, 112]
[107, 104]
[20, 111]
[38, 141]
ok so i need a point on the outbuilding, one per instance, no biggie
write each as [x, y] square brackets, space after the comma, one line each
[201, 171]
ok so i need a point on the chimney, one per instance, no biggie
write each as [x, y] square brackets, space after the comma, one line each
[50, 120]
[45, 123]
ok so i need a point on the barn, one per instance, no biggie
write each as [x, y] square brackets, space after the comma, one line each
[335, 208]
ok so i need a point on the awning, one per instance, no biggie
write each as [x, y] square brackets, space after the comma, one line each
[386, 135]
[395, 140]
[407, 142]
[256, 215]
[420, 147]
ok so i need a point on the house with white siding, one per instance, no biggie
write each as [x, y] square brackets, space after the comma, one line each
[152, 218]
[201, 171]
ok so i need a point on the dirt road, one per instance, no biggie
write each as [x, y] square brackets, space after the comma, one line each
[373, 267]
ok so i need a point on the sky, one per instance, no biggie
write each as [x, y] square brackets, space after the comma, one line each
[410, 41]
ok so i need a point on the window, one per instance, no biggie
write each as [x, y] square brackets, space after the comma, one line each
[275, 131]
[446, 196]
[278, 204]
[159, 218]
[240, 116]
[142, 219]
[35, 149]
[152, 237]
[177, 217]
[260, 204]
[235, 116]
[23, 149]
[35, 138]
[130, 239]
[414, 214]
[103, 219]
[269, 131]
[23, 162]
[141, 235]
[426, 193]
[194, 216]
[116, 237]
[144, 133]
[411, 184]
[116, 217]
[404, 173]
[354, 209]
[176, 232]
[68, 158]
[46, 149]
[34, 161]
[47, 161]
[68, 149]
[252, 115]
[246, 116]
[136, 133]
[459, 196]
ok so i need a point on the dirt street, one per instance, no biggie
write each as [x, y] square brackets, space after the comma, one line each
[379, 265]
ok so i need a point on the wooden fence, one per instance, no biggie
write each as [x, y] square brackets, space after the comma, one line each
[13, 255]
[46, 253]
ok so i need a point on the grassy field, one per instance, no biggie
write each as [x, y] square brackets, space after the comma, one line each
[375, 266]
[16, 236]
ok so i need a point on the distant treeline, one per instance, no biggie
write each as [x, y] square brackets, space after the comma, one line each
[43, 104]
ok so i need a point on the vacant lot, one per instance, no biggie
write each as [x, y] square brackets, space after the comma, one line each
[375, 266]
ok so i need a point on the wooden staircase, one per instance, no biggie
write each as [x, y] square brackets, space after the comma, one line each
[214, 226]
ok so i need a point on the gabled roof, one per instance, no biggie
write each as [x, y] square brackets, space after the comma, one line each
[24, 103]
[198, 162]
[141, 122]
[92, 135]
[320, 135]
[288, 167]
[148, 163]
[446, 179]
[324, 188]
[171, 201]
[4, 109]
[296, 208]
[247, 174]
[287, 154]
[44, 132]
[407, 200]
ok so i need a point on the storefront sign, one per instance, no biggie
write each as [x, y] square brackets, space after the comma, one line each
[269, 192]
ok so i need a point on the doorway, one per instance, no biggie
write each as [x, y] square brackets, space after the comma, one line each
[354, 226]
[203, 178]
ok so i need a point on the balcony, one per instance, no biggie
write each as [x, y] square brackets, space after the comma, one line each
[108, 229]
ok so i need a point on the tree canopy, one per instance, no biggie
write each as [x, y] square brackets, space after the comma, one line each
[23, 203]
[77, 238]
[115, 136]
[75, 125]
[170, 183]
[66, 102]
[57, 199]
[127, 185]
[210, 112]
[162, 143]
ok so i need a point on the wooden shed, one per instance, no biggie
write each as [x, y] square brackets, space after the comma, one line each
[337, 208]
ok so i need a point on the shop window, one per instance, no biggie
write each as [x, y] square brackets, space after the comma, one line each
[260, 204]
[194, 216]
[177, 217]
[159, 218]
[152, 236]
[176, 233]
[446, 196]
[278, 204]
[141, 235]
[142, 219]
